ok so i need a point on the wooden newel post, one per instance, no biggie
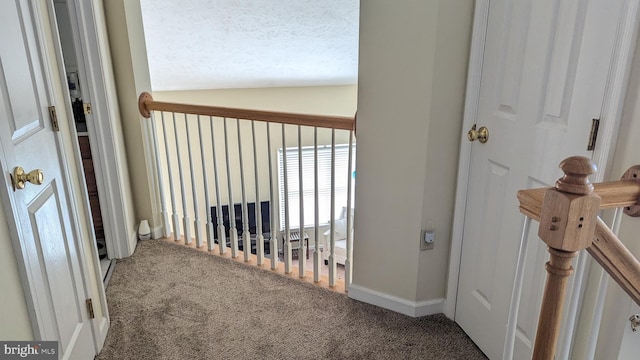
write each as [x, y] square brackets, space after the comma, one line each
[567, 225]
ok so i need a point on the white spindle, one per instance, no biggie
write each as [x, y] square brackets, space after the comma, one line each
[222, 236]
[332, 237]
[259, 236]
[516, 292]
[174, 203]
[233, 232]
[246, 235]
[197, 224]
[205, 182]
[273, 240]
[347, 263]
[302, 245]
[163, 203]
[590, 353]
[316, 194]
[287, 233]
[185, 212]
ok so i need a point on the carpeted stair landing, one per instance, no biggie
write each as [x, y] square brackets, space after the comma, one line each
[172, 302]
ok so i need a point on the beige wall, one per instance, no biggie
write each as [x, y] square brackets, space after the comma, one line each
[131, 70]
[413, 62]
[445, 132]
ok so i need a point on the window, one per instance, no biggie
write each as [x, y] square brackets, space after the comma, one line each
[308, 183]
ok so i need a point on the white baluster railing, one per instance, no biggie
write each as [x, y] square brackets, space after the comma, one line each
[197, 224]
[258, 204]
[246, 235]
[174, 204]
[222, 243]
[287, 230]
[302, 244]
[233, 232]
[186, 226]
[273, 240]
[316, 197]
[314, 178]
[156, 157]
[332, 229]
[207, 198]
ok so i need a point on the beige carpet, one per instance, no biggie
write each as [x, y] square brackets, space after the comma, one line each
[171, 302]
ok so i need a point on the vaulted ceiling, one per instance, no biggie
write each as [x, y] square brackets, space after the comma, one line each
[216, 44]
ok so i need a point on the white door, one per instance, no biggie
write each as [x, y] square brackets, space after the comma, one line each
[42, 233]
[630, 347]
[544, 74]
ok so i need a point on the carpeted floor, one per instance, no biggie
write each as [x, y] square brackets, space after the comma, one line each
[171, 302]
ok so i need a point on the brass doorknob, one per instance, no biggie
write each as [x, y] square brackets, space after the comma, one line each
[481, 134]
[20, 178]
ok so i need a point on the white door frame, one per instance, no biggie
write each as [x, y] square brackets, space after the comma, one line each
[96, 77]
[101, 325]
[612, 111]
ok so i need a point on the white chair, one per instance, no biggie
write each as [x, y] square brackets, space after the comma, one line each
[340, 230]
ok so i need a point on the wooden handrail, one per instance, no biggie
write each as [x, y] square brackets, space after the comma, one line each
[146, 104]
[613, 194]
[616, 259]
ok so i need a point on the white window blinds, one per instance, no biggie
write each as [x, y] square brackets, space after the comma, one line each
[308, 183]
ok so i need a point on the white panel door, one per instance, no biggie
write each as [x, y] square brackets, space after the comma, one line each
[42, 232]
[545, 69]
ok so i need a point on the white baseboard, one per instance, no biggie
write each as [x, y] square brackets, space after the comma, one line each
[393, 303]
[157, 232]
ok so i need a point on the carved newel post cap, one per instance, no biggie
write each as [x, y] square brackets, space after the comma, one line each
[576, 175]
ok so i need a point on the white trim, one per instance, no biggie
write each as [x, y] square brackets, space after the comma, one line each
[103, 328]
[394, 303]
[96, 74]
[481, 18]
[157, 232]
[80, 197]
[133, 239]
[616, 90]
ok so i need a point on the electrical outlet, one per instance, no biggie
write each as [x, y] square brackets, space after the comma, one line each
[427, 239]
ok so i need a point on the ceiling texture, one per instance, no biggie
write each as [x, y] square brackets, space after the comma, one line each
[220, 44]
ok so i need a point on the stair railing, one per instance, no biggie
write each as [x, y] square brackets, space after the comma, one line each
[569, 222]
[195, 146]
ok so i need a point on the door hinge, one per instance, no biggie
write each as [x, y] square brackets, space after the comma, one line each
[54, 118]
[90, 309]
[593, 135]
[87, 108]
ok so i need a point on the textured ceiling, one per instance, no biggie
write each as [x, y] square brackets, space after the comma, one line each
[215, 44]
